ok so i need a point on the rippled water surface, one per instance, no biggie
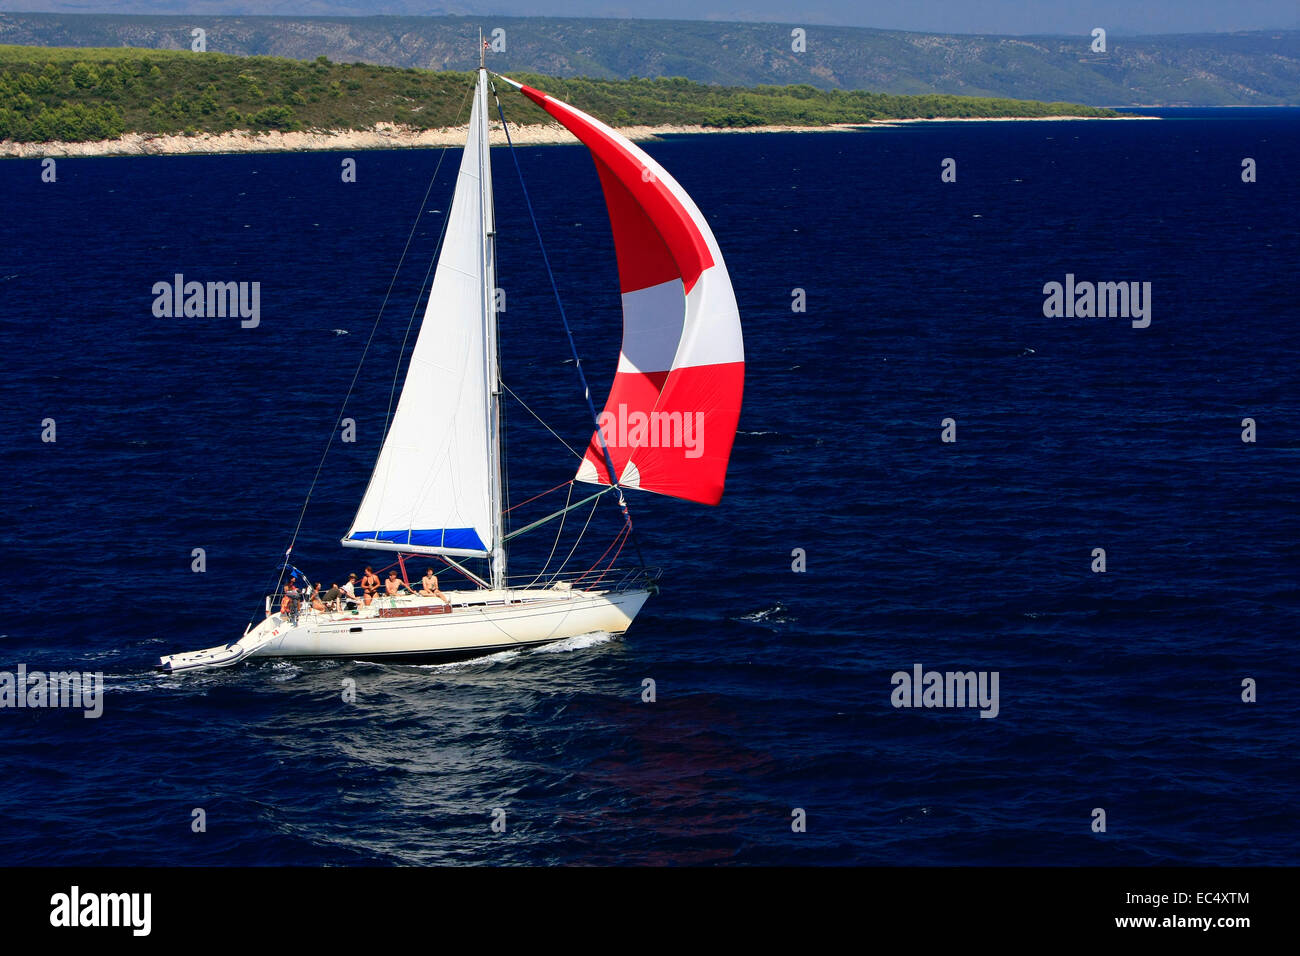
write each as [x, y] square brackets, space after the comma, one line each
[924, 301]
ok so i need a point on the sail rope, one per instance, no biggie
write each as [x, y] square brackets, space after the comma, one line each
[542, 495]
[572, 452]
[556, 543]
[555, 577]
[612, 561]
[573, 347]
[356, 375]
[620, 537]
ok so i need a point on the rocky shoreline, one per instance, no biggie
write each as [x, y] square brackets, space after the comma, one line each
[393, 136]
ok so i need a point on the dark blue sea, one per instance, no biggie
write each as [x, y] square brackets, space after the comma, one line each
[1120, 691]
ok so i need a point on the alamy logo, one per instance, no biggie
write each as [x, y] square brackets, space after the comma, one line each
[75, 908]
[36, 689]
[1102, 300]
[922, 688]
[211, 300]
[654, 429]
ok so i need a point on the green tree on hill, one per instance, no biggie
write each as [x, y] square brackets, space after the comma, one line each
[49, 93]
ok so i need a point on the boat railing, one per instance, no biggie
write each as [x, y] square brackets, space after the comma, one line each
[614, 580]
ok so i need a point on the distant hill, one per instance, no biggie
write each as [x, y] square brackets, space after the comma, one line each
[78, 94]
[1261, 68]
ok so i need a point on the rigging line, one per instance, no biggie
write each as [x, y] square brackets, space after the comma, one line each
[555, 577]
[577, 360]
[456, 566]
[543, 424]
[604, 490]
[543, 494]
[556, 543]
[365, 350]
[622, 532]
[609, 567]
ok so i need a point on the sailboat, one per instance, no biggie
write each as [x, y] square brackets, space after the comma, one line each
[437, 488]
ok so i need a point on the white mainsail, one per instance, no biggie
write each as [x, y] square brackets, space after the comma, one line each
[437, 485]
[434, 487]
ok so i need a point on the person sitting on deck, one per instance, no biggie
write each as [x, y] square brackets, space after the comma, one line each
[289, 602]
[394, 582]
[429, 587]
[316, 603]
[350, 592]
[334, 597]
[370, 584]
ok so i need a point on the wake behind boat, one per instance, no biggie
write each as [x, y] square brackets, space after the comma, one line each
[438, 489]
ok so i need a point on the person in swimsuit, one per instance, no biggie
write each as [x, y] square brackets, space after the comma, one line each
[429, 587]
[370, 584]
[316, 603]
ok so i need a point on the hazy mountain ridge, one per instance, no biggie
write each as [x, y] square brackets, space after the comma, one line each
[1258, 68]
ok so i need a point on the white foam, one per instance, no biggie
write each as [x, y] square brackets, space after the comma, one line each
[498, 658]
[285, 671]
[763, 615]
[577, 643]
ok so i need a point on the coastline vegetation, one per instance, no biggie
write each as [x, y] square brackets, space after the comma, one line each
[80, 94]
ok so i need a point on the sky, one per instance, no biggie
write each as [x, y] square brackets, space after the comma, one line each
[1118, 17]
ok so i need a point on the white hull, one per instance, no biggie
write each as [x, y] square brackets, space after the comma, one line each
[480, 622]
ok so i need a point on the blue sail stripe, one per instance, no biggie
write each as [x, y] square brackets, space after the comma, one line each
[466, 539]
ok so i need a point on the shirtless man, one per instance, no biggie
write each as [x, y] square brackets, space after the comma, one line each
[393, 583]
[370, 584]
[429, 587]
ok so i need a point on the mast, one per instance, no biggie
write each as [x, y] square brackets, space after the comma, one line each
[492, 355]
